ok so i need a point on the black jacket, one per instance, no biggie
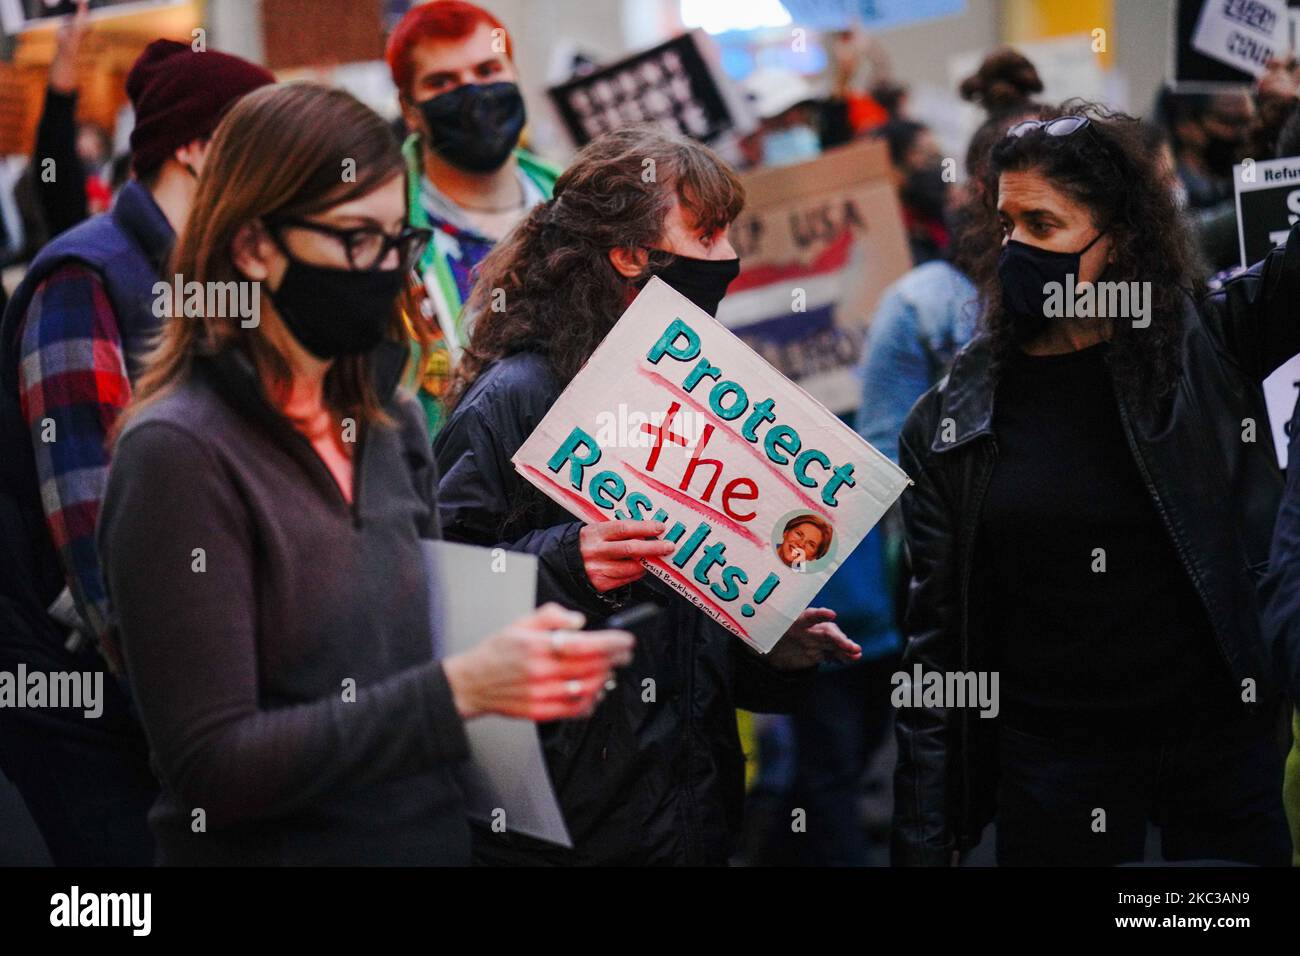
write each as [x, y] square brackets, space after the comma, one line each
[656, 775]
[1216, 492]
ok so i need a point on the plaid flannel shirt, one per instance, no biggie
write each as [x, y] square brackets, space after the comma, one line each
[73, 385]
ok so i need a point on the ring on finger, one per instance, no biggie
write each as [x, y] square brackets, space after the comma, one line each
[573, 688]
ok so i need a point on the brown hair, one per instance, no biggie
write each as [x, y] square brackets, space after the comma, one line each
[561, 292]
[1006, 80]
[821, 524]
[280, 151]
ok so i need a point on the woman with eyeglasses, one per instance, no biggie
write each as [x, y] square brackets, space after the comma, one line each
[1095, 495]
[261, 533]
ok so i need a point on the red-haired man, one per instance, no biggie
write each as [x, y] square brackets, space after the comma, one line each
[468, 179]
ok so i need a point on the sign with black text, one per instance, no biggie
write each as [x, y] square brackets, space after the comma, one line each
[678, 83]
[19, 15]
[1268, 205]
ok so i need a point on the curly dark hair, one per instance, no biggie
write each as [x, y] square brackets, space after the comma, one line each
[1109, 167]
[561, 293]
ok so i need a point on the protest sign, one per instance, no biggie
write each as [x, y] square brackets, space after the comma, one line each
[1244, 34]
[679, 83]
[1191, 71]
[875, 15]
[17, 16]
[1268, 205]
[818, 243]
[763, 489]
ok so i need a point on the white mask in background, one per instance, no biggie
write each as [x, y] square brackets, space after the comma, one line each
[794, 144]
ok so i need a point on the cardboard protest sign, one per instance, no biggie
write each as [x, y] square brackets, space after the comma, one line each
[674, 419]
[1268, 205]
[818, 243]
[679, 83]
[19, 15]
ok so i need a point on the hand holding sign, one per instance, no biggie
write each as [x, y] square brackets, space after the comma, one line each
[612, 551]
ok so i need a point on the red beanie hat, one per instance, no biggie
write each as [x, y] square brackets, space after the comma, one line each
[179, 96]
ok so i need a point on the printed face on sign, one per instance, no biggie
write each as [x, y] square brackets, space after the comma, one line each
[806, 538]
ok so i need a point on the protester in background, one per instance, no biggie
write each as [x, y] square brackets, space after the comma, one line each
[1056, 539]
[643, 781]
[786, 105]
[71, 346]
[854, 105]
[468, 179]
[1208, 133]
[916, 168]
[312, 579]
[1005, 82]
[58, 178]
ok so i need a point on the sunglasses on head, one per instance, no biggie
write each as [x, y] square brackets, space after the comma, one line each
[1061, 126]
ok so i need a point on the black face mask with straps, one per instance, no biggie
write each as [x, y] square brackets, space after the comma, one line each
[475, 127]
[1026, 271]
[703, 281]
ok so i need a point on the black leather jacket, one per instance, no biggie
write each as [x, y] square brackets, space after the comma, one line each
[1216, 491]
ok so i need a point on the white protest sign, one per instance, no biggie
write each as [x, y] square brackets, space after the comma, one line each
[1244, 34]
[763, 489]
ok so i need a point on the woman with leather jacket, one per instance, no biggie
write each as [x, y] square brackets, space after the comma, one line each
[1094, 500]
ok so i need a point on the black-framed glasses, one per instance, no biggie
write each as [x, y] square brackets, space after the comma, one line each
[366, 246]
[1060, 126]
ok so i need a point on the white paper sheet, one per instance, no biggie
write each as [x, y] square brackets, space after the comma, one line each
[475, 592]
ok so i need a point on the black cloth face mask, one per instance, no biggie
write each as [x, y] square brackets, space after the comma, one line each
[703, 281]
[336, 312]
[1025, 271]
[926, 192]
[475, 127]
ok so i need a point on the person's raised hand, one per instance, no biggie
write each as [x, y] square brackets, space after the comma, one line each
[612, 551]
[63, 68]
[538, 668]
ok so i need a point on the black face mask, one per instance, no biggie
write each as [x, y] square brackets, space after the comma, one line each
[1024, 272]
[1221, 155]
[926, 192]
[336, 312]
[703, 281]
[475, 127]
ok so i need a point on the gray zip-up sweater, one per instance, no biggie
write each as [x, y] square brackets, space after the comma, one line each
[277, 638]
